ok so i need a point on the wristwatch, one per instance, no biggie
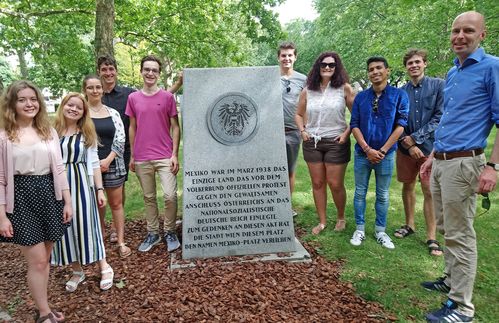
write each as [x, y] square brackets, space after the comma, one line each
[494, 166]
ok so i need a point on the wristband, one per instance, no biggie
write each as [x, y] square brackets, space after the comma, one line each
[100, 189]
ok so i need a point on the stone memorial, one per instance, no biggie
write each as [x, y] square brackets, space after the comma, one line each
[236, 197]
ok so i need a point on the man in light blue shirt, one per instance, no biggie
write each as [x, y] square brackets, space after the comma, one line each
[457, 166]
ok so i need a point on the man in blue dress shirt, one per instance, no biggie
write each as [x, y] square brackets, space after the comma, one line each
[426, 100]
[379, 115]
[457, 166]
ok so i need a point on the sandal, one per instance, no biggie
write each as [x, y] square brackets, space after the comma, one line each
[49, 317]
[340, 225]
[72, 285]
[59, 317]
[123, 250]
[113, 237]
[318, 229]
[434, 248]
[107, 283]
[403, 232]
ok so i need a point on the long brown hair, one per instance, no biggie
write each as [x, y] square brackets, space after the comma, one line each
[85, 124]
[8, 103]
[340, 76]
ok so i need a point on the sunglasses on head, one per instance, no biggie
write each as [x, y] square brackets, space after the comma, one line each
[375, 104]
[330, 65]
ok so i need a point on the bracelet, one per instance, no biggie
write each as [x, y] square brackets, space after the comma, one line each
[366, 148]
[100, 189]
[411, 147]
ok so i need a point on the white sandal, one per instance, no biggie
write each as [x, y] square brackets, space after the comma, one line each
[106, 284]
[72, 285]
[318, 229]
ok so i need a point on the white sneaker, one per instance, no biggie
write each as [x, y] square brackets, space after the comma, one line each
[357, 238]
[384, 240]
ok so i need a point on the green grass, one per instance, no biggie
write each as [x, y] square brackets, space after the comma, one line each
[389, 277]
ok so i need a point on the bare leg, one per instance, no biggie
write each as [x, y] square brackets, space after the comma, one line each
[114, 196]
[409, 199]
[292, 177]
[37, 257]
[335, 175]
[318, 177]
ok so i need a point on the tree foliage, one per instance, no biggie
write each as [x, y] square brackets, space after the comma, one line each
[358, 29]
[58, 37]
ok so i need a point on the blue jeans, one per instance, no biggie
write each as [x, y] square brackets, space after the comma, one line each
[383, 172]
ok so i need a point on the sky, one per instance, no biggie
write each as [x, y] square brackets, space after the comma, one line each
[292, 9]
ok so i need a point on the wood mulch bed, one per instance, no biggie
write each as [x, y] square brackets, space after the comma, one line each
[147, 291]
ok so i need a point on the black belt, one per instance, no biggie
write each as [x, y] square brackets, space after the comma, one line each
[457, 154]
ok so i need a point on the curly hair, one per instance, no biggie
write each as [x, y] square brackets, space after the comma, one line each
[85, 124]
[340, 76]
[8, 111]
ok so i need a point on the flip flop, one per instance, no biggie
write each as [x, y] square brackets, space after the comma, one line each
[107, 283]
[403, 232]
[49, 317]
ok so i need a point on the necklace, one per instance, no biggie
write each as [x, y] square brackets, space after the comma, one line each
[96, 110]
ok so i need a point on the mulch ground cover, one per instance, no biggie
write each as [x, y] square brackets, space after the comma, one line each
[146, 290]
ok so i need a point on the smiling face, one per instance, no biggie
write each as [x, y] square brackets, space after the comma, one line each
[27, 105]
[287, 58]
[108, 75]
[150, 73]
[415, 67]
[378, 73]
[73, 110]
[327, 67]
[468, 31]
[93, 90]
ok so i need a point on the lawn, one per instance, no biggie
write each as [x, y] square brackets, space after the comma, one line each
[390, 277]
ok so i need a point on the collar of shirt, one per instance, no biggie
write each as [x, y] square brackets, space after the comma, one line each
[475, 57]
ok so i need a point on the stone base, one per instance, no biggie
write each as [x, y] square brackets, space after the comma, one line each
[300, 255]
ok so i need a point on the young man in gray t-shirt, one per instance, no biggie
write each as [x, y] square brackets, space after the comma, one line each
[292, 84]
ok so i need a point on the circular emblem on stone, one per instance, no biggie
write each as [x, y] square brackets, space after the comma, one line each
[233, 118]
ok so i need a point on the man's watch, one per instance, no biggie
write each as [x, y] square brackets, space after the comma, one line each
[494, 166]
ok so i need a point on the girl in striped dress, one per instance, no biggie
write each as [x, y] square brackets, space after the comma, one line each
[82, 243]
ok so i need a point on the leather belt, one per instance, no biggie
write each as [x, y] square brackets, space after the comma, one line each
[457, 154]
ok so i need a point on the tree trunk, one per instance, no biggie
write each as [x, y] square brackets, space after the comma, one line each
[104, 28]
[23, 66]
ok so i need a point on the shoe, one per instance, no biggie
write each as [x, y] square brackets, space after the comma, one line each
[340, 225]
[434, 248]
[294, 213]
[50, 317]
[107, 283]
[448, 314]
[123, 250]
[357, 238]
[318, 228]
[150, 241]
[72, 285]
[171, 241]
[439, 285]
[384, 240]
[403, 231]
[113, 237]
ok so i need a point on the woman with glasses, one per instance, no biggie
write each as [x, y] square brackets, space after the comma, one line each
[326, 134]
[111, 132]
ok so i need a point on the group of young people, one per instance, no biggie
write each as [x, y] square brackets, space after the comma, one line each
[430, 128]
[54, 179]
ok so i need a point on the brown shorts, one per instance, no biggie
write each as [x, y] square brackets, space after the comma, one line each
[328, 151]
[408, 167]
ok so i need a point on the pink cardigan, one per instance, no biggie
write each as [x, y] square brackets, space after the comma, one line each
[7, 169]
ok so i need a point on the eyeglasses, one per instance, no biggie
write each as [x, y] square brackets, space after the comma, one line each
[330, 65]
[148, 70]
[376, 104]
[287, 85]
